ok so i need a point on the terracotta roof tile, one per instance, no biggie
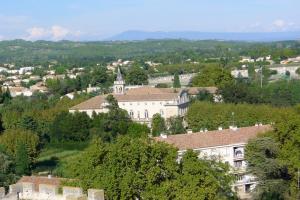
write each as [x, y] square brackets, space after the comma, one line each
[136, 94]
[214, 138]
[93, 103]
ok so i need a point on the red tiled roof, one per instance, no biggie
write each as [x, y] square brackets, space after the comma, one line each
[214, 138]
[136, 94]
[93, 103]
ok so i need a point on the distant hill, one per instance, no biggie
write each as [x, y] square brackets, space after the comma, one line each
[190, 35]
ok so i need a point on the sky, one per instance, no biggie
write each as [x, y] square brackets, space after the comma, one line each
[101, 19]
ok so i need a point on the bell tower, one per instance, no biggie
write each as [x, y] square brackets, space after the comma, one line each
[119, 84]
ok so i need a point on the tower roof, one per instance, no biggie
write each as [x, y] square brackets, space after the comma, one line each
[119, 75]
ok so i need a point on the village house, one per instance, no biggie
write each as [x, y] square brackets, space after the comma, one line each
[240, 73]
[18, 91]
[141, 103]
[226, 145]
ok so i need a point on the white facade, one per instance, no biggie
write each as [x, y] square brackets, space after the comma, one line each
[233, 155]
[141, 103]
[227, 146]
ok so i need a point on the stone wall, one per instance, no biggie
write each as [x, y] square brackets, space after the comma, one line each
[26, 191]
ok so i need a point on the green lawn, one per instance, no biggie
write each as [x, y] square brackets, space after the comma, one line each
[51, 156]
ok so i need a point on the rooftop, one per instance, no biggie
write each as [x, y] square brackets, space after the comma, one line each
[214, 138]
[136, 94]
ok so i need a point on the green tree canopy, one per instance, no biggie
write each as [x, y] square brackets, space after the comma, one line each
[141, 168]
[136, 76]
[176, 81]
[158, 125]
[274, 159]
[22, 160]
[11, 138]
[175, 125]
[7, 173]
[213, 76]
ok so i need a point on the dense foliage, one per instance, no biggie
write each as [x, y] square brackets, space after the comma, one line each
[213, 76]
[215, 115]
[274, 159]
[161, 51]
[280, 93]
[135, 169]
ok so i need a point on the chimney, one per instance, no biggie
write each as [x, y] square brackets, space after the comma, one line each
[233, 128]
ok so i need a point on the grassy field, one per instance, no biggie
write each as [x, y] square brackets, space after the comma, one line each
[53, 154]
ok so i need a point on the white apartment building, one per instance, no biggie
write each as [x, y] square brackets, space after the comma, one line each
[227, 145]
[141, 103]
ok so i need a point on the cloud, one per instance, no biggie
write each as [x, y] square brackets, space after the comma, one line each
[282, 25]
[37, 33]
[53, 33]
[59, 32]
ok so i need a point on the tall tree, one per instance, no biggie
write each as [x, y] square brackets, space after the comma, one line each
[137, 76]
[22, 160]
[158, 125]
[175, 125]
[176, 81]
[7, 173]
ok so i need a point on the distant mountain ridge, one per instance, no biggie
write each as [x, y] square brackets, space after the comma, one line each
[193, 35]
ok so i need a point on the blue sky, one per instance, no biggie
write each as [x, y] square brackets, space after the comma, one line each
[100, 19]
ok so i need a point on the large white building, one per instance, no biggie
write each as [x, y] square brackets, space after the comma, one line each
[141, 103]
[227, 145]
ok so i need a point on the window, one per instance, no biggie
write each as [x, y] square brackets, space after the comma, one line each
[239, 178]
[238, 152]
[161, 112]
[238, 164]
[131, 113]
[146, 114]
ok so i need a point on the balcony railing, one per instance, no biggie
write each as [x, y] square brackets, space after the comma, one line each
[238, 156]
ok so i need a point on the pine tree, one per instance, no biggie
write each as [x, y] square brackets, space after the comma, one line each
[22, 160]
[176, 83]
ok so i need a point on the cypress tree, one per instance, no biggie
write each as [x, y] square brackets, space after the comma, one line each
[22, 160]
[176, 83]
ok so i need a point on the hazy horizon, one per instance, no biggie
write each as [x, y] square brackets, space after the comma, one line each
[90, 20]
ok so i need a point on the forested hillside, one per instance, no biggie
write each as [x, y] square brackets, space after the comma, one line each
[164, 51]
